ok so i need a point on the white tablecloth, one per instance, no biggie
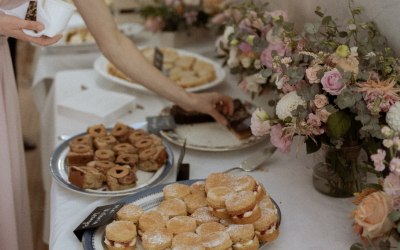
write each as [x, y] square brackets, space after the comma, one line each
[310, 220]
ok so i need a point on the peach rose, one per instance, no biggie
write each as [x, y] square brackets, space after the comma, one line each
[372, 215]
[320, 101]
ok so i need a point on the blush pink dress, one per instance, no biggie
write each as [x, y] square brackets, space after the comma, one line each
[15, 221]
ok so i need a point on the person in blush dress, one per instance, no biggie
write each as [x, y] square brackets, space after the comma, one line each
[15, 226]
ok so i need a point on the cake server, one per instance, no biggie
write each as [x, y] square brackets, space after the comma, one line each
[254, 161]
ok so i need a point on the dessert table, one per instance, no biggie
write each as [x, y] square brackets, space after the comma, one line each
[310, 220]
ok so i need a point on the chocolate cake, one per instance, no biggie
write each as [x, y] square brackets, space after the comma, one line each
[239, 121]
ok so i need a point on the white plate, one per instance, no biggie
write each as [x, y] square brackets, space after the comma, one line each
[209, 136]
[59, 170]
[129, 29]
[148, 200]
[101, 67]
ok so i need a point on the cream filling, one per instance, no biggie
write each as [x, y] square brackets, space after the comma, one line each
[246, 214]
[220, 210]
[247, 243]
[271, 230]
[121, 245]
[258, 190]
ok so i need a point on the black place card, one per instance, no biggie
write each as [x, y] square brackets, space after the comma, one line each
[101, 216]
[183, 172]
[157, 123]
[158, 59]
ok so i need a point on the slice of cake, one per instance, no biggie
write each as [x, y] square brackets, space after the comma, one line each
[239, 121]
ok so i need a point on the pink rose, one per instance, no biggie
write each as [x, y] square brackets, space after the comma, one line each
[320, 101]
[266, 56]
[395, 166]
[245, 47]
[279, 139]
[372, 215]
[331, 82]
[312, 74]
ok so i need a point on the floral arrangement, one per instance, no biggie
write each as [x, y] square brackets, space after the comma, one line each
[174, 15]
[377, 215]
[251, 37]
[336, 88]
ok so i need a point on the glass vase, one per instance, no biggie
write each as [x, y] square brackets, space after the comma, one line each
[340, 173]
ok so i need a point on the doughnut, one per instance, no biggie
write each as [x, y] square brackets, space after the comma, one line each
[143, 143]
[105, 142]
[80, 148]
[124, 148]
[127, 159]
[118, 172]
[104, 155]
[97, 130]
[121, 132]
[84, 139]
[136, 135]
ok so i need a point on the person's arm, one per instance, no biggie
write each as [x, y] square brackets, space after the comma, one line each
[121, 51]
[12, 26]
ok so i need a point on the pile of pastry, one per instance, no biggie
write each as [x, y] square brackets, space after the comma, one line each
[101, 157]
[185, 70]
[78, 35]
[222, 212]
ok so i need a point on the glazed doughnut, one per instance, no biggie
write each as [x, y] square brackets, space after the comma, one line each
[103, 166]
[80, 148]
[127, 159]
[118, 171]
[97, 130]
[105, 142]
[84, 139]
[121, 132]
[136, 135]
[147, 154]
[152, 159]
[124, 148]
[104, 155]
[143, 143]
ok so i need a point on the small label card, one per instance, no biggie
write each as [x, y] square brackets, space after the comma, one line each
[157, 123]
[158, 59]
[101, 216]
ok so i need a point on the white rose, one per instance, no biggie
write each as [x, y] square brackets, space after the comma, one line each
[287, 104]
[393, 117]
[229, 30]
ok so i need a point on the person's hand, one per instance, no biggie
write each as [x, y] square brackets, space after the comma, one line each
[12, 26]
[214, 104]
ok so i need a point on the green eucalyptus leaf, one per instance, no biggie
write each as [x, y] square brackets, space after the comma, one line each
[266, 73]
[357, 246]
[338, 124]
[395, 215]
[326, 20]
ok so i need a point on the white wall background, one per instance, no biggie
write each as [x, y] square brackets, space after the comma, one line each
[386, 13]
